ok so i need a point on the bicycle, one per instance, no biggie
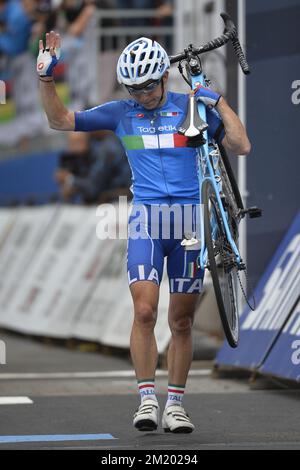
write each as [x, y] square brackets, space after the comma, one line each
[220, 201]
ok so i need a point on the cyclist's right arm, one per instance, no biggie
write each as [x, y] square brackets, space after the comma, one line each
[102, 117]
[59, 117]
[49, 53]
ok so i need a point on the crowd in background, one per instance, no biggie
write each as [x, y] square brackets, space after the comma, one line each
[22, 24]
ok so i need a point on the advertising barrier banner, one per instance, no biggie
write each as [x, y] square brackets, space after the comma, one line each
[270, 334]
[59, 279]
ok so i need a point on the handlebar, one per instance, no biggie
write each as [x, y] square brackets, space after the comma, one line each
[230, 34]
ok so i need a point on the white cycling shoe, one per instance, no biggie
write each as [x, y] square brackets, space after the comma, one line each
[146, 416]
[176, 420]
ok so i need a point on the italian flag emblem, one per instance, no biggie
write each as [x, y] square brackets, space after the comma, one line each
[166, 114]
[192, 269]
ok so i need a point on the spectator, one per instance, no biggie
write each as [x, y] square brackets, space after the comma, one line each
[16, 22]
[17, 19]
[80, 52]
[138, 5]
[46, 18]
[163, 8]
[164, 17]
[98, 174]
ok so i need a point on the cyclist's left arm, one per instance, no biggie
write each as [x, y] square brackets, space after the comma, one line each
[236, 139]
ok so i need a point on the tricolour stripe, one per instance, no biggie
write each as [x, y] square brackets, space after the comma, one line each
[180, 140]
[133, 142]
[176, 387]
[150, 142]
[192, 269]
[175, 390]
[166, 141]
[170, 114]
[146, 386]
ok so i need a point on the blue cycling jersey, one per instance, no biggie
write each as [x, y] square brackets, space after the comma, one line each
[164, 169]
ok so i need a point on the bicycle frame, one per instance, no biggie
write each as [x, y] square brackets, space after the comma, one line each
[205, 164]
[215, 175]
[205, 171]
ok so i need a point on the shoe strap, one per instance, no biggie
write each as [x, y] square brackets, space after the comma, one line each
[181, 414]
[146, 407]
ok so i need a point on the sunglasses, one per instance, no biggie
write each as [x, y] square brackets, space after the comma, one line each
[143, 91]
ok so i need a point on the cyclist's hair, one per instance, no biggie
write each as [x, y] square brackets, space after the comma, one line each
[142, 60]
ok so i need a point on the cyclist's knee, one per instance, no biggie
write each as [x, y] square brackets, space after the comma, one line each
[145, 314]
[181, 325]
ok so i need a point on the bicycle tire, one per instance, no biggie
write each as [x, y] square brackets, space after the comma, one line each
[231, 177]
[222, 269]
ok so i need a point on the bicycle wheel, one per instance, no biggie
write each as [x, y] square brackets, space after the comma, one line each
[222, 265]
[229, 179]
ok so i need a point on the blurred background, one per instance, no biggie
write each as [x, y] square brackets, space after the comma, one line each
[52, 267]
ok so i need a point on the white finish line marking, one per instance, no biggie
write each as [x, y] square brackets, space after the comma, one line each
[55, 438]
[93, 375]
[15, 401]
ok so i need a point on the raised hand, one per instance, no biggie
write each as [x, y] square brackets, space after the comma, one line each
[49, 55]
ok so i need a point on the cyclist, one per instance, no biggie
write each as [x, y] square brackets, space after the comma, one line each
[164, 172]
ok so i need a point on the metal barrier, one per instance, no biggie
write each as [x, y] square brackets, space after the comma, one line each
[196, 22]
[192, 21]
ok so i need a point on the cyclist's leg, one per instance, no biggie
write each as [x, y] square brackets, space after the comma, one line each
[180, 354]
[185, 287]
[181, 317]
[143, 346]
[186, 281]
[145, 268]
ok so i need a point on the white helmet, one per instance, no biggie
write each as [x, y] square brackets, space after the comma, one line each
[142, 60]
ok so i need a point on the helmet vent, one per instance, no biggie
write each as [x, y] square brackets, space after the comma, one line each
[132, 57]
[142, 60]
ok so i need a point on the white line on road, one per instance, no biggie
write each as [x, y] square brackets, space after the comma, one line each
[15, 401]
[93, 375]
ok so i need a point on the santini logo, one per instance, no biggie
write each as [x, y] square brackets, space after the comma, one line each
[296, 353]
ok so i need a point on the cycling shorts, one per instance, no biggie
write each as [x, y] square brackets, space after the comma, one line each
[155, 233]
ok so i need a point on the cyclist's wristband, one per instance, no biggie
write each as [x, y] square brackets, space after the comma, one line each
[218, 101]
[46, 81]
